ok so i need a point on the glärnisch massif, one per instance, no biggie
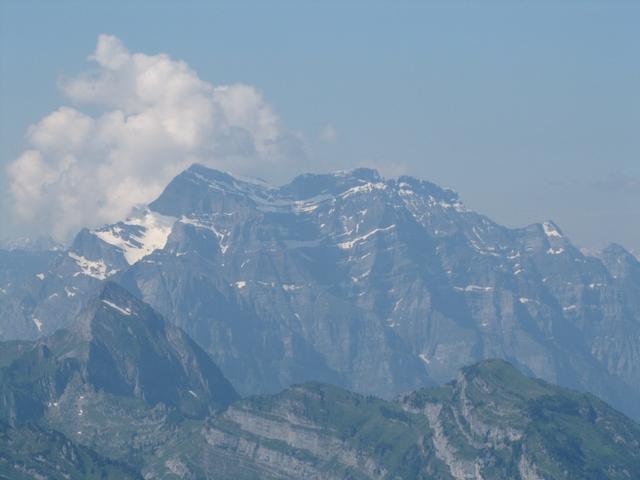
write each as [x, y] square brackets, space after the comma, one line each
[375, 286]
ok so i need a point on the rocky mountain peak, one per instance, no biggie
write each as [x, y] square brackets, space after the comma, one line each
[498, 379]
[120, 346]
[621, 263]
[134, 351]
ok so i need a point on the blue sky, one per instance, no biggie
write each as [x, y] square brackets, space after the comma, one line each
[530, 110]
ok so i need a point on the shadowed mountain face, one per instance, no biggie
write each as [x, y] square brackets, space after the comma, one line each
[378, 285]
[117, 347]
[116, 380]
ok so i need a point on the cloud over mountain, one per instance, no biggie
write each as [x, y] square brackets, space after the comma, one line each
[137, 121]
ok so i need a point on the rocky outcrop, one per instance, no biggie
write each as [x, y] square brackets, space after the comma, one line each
[493, 422]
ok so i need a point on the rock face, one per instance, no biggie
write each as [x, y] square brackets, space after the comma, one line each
[313, 431]
[491, 423]
[126, 348]
[377, 285]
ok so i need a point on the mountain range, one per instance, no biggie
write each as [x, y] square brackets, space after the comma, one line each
[380, 286]
[122, 393]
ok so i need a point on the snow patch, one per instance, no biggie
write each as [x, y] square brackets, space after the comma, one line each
[38, 324]
[457, 206]
[474, 288]
[550, 230]
[363, 238]
[124, 311]
[152, 235]
[526, 300]
[361, 277]
[96, 269]
[364, 188]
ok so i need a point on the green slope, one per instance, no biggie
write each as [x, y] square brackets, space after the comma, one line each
[31, 451]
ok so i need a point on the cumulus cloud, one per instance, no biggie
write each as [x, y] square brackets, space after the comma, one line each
[156, 117]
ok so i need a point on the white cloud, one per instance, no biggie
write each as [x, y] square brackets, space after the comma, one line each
[156, 118]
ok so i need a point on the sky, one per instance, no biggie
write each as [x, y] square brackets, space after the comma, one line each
[530, 110]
